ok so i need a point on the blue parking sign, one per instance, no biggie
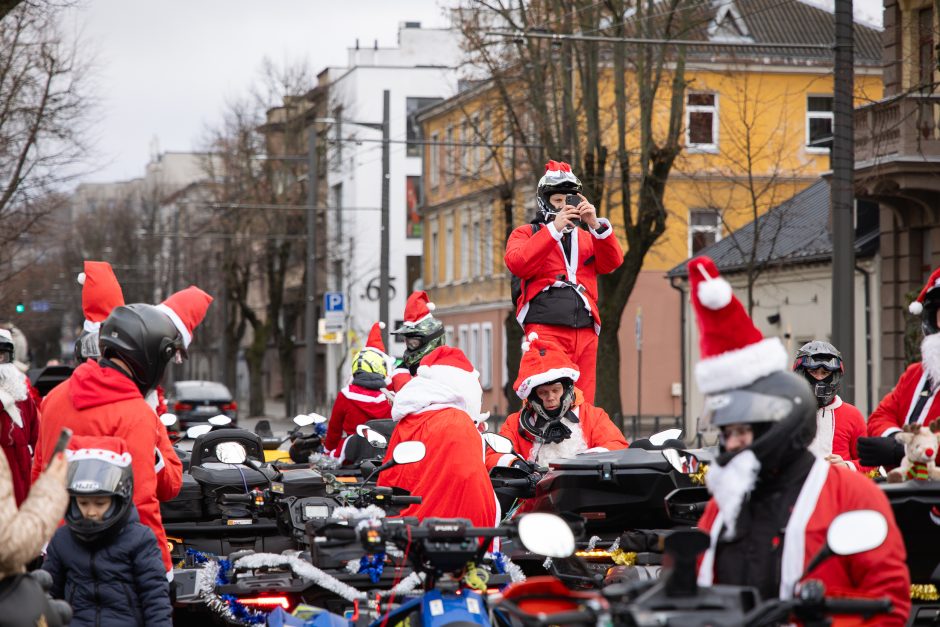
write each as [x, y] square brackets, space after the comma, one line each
[334, 302]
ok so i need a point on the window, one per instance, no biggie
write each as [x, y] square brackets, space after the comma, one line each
[487, 240]
[434, 160]
[462, 153]
[486, 356]
[413, 132]
[507, 142]
[463, 339]
[925, 62]
[486, 136]
[412, 203]
[449, 249]
[449, 335]
[818, 123]
[478, 245]
[465, 246]
[433, 275]
[473, 352]
[449, 154]
[701, 122]
[704, 229]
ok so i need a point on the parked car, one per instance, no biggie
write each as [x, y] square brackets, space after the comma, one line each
[194, 402]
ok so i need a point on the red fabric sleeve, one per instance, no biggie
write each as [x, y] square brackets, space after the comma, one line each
[893, 408]
[170, 477]
[31, 423]
[850, 426]
[334, 432]
[603, 430]
[525, 251]
[607, 253]
[509, 429]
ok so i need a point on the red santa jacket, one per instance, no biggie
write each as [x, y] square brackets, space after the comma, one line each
[827, 492]
[452, 478]
[400, 376]
[102, 401]
[18, 444]
[355, 405]
[839, 425]
[894, 410]
[593, 429]
[539, 260]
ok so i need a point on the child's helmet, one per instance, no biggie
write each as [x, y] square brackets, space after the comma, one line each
[101, 468]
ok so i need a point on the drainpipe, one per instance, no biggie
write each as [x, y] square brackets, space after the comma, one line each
[678, 287]
[868, 373]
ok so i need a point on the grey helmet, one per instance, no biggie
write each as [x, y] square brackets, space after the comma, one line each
[819, 354]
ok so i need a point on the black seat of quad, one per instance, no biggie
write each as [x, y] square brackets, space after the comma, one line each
[204, 446]
[383, 426]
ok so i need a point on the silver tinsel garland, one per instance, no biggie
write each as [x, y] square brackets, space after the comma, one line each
[304, 570]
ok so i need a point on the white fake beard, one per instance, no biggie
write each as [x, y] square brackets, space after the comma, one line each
[13, 382]
[731, 484]
[930, 357]
[566, 449]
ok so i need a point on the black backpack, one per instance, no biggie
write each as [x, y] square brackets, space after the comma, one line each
[516, 285]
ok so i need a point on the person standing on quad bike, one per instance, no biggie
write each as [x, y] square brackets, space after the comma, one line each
[106, 398]
[365, 398]
[422, 333]
[440, 407]
[772, 498]
[839, 425]
[914, 398]
[555, 266]
[555, 421]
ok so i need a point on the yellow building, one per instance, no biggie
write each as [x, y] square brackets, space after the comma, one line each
[755, 124]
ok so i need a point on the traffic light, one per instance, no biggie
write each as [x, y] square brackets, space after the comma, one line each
[20, 308]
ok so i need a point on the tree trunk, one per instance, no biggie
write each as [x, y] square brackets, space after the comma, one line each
[513, 355]
[254, 355]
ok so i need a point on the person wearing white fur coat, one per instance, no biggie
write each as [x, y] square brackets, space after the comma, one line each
[555, 421]
[914, 399]
[19, 419]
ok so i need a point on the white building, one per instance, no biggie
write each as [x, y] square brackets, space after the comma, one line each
[419, 72]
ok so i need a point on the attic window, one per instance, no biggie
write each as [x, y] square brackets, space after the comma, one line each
[728, 25]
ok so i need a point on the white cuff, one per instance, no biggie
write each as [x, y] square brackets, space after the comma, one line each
[605, 234]
[889, 431]
[506, 460]
[851, 465]
[555, 232]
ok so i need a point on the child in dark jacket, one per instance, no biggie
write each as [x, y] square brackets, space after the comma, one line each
[104, 562]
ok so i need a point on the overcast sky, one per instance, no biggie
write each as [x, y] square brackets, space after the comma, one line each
[165, 68]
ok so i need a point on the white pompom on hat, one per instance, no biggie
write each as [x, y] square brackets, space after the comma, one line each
[917, 306]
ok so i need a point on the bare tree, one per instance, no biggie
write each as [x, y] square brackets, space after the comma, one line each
[613, 110]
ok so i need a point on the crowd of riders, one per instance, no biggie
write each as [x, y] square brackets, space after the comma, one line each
[792, 454]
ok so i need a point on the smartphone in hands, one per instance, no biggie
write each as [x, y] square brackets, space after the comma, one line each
[64, 436]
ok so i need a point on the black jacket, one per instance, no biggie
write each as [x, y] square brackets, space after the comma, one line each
[121, 582]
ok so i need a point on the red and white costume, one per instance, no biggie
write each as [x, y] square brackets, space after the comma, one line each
[417, 309]
[101, 293]
[439, 407]
[839, 425]
[540, 261]
[543, 362]
[356, 405]
[19, 424]
[827, 492]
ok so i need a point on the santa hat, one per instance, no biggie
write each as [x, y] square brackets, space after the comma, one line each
[101, 293]
[733, 353]
[449, 366]
[542, 362]
[110, 449]
[917, 307]
[374, 341]
[558, 172]
[417, 308]
[186, 309]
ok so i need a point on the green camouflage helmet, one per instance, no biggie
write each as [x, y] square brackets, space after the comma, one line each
[420, 340]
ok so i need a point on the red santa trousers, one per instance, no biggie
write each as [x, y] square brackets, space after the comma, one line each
[581, 347]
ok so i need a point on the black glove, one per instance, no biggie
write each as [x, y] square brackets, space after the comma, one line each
[522, 465]
[880, 452]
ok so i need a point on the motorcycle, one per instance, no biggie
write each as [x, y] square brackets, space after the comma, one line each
[302, 443]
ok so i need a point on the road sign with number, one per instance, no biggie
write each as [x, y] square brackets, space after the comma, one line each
[334, 311]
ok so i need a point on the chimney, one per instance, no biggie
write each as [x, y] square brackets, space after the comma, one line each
[357, 43]
[375, 45]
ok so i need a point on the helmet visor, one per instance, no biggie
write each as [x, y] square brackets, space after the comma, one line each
[93, 476]
[741, 407]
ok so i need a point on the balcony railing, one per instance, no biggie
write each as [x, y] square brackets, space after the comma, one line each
[905, 126]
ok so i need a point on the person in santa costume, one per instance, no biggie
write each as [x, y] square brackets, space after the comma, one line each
[365, 398]
[839, 425]
[772, 499]
[914, 398]
[440, 407]
[422, 333]
[19, 418]
[557, 265]
[555, 421]
[107, 397]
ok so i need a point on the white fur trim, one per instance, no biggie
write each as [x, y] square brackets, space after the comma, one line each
[178, 323]
[363, 398]
[556, 234]
[159, 462]
[714, 294]
[506, 460]
[9, 405]
[91, 327]
[741, 367]
[794, 538]
[80, 278]
[118, 459]
[530, 383]
[916, 308]
[605, 234]
[889, 431]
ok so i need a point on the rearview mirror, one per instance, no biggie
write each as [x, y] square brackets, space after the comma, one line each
[857, 531]
[302, 420]
[220, 421]
[546, 534]
[317, 418]
[498, 443]
[658, 439]
[168, 420]
[231, 453]
[195, 432]
[409, 452]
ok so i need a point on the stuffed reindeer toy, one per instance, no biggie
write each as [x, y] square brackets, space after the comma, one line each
[920, 447]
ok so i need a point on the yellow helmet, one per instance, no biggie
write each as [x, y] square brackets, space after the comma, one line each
[369, 362]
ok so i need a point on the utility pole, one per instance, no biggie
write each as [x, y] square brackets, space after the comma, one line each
[843, 197]
[383, 263]
[310, 311]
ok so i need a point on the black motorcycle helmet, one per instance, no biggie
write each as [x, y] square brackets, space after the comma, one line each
[781, 410]
[539, 424]
[819, 354]
[95, 472]
[558, 179]
[142, 337]
[7, 347]
[420, 340]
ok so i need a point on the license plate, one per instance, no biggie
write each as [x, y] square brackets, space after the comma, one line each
[206, 410]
